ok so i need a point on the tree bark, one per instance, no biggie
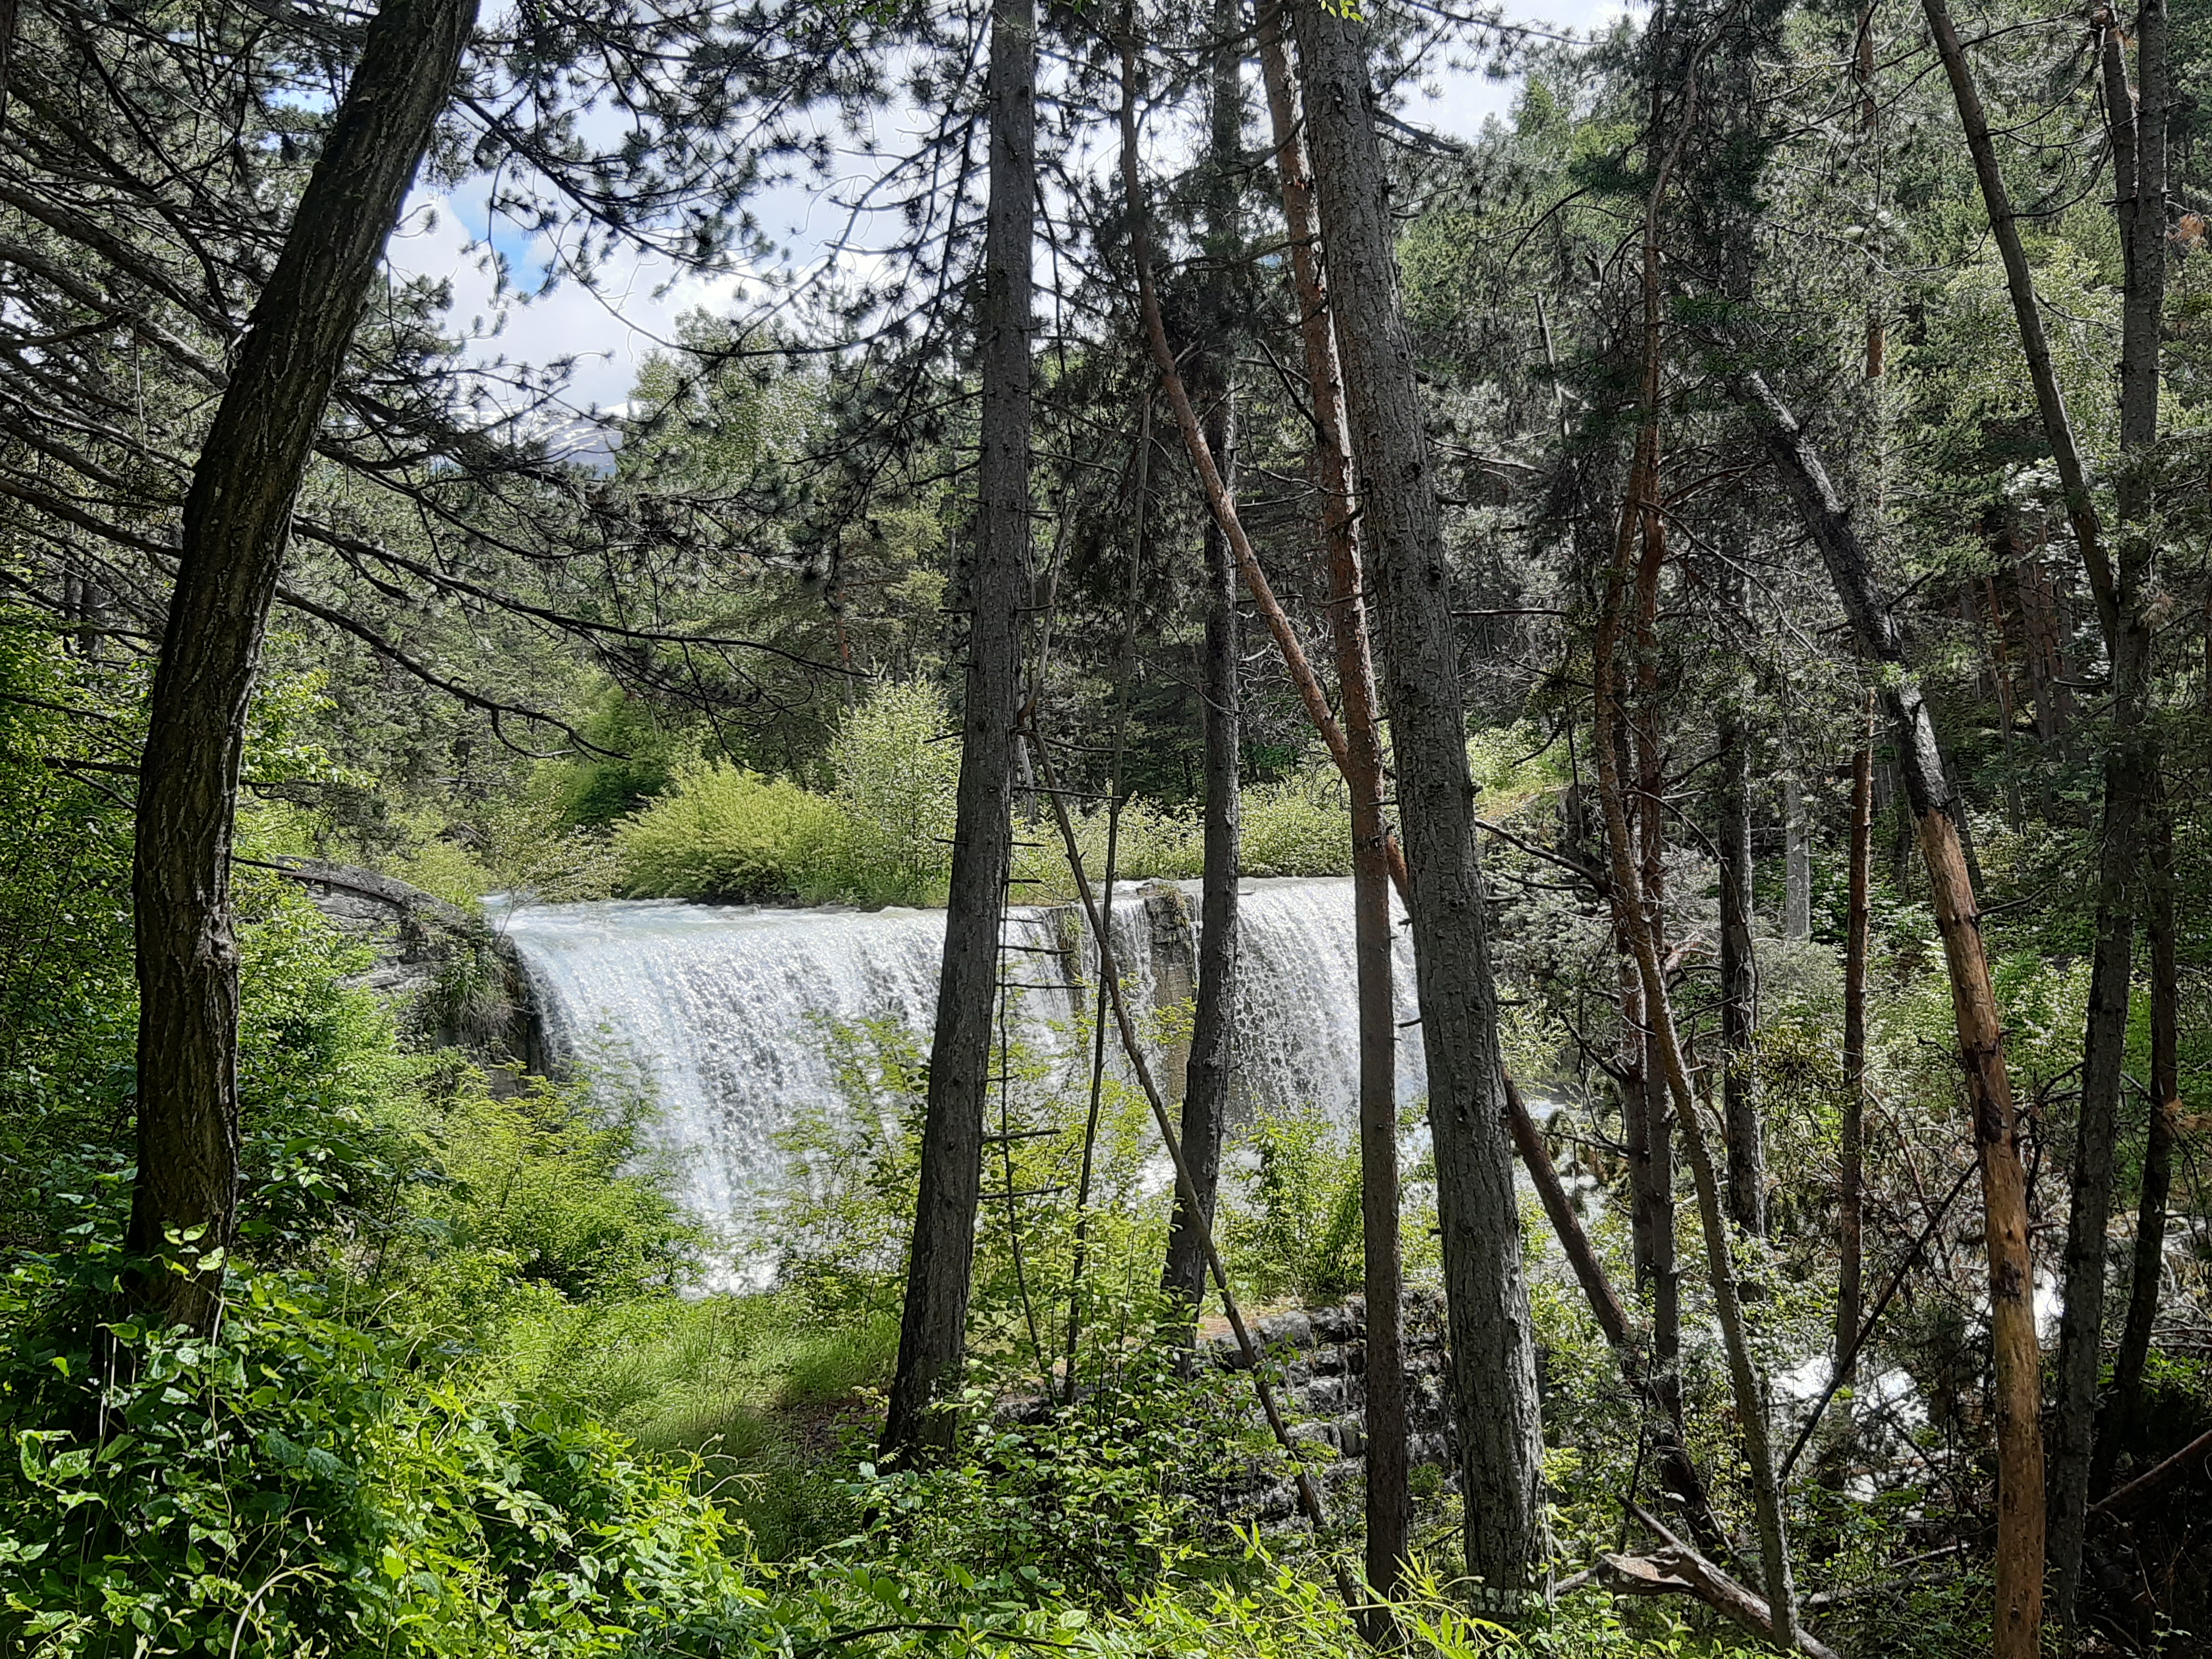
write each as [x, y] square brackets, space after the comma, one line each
[1796, 864]
[1634, 917]
[1205, 1093]
[1647, 824]
[237, 522]
[1493, 1348]
[2015, 1361]
[1851, 1186]
[10, 16]
[2125, 1413]
[940, 1264]
[1390, 1501]
[1747, 1141]
[2139, 124]
[2138, 162]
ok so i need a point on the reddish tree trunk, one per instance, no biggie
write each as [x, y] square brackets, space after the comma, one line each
[2016, 1361]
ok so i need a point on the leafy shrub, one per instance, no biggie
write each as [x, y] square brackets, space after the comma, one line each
[732, 834]
[1299, 825]
[283, 1488]
[896, 783]
[1299, 1231]
[1099, 1501]
[1152, 843]
[561, 1186]
[68, 1000]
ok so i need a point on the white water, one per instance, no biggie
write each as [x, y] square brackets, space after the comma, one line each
[723, 1009]
[1297, 1014]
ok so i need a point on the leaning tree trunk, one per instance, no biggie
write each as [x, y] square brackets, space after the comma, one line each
[933, 1326]
[1389, 1502]
[1635, 918]
[2015, 1360]
[2138, 160]
[237, 521]
[1493, 1353]
[1205, 1094]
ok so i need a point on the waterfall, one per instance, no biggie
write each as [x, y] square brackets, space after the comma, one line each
[1297, 1007]
[721, 1009]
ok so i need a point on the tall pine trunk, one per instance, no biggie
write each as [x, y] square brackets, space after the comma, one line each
[1850, 1185]
[2138, 135]
[939, 1267]
[1389, 1502]
[1797, 863]
[1205, 1094]
[1493, 1352]
[237, 521]
[2123, 1417]
[2015, 1360]
[1636, 918]
[1746, 1139]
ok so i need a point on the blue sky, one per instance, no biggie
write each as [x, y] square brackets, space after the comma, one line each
[610, 330]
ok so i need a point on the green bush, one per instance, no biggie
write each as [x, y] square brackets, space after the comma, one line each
[1298, 1232]
[731, 835]
[644, 758]
[1299, 825]
[896, 779]
[285, 1487]
[1099, 1501]
[562, 1189]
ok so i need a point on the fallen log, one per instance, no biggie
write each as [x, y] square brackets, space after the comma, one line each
[1676, 1568]
[2155, 1480]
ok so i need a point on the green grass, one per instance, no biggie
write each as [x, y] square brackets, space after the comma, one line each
[763, 1389]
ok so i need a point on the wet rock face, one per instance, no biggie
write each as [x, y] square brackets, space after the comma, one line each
[1320, 1360]
[454, 981]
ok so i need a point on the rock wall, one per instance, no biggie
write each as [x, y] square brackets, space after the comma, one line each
[1321, 1359]
[454, 981]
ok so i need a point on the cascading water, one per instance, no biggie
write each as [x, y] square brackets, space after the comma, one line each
[723, 1010]
[1298, 1009]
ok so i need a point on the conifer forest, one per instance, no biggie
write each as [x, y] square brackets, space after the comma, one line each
[1114, 827]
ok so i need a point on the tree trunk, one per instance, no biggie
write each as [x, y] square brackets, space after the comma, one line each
[2138, 132]
[1851, 1186]
[1390, 1502]
[1796, 864]
[236, 524]
[2128, 762]
[1205, 1093]
[933, 1326]
[1654, 1139]
[10, 12]
[2138, 139]
[1746, 1148]
[1648, 825]
[2015, 1361]
[1492, 1348]
[2126, 1413]
[1633, 1084]
[1632, 914]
